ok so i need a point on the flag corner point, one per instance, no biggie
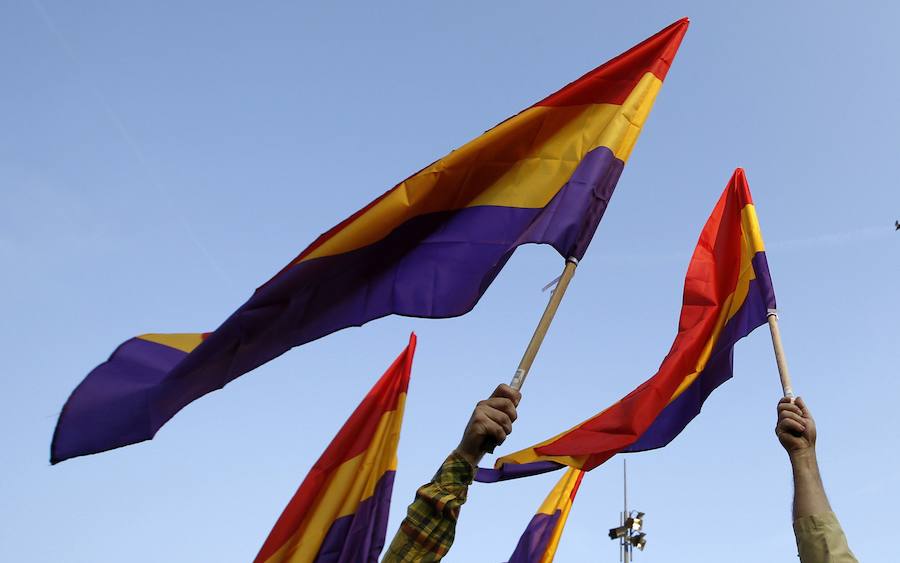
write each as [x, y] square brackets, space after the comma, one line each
[680, 26]
[739, 179]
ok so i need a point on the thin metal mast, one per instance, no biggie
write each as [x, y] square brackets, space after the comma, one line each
[626, 546]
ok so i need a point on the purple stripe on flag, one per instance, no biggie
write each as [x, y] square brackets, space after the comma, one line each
[359, 537]
[752, 314]
[533, 543]
[121, 385]
[433, 266]
[764, 279]
[515, 470]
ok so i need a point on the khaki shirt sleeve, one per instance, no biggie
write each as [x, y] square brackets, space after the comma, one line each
[820, 539]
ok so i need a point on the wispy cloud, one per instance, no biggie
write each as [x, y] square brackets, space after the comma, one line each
[851, 236]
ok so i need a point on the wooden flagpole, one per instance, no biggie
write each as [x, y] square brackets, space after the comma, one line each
[772, 317]
[540, 332]
[543, 325]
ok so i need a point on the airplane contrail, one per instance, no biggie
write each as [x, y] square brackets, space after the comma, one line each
[119, 126]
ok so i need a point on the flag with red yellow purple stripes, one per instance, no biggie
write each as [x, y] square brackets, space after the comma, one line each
[541, 538]
[340, 511]
[428, 247]
[727, 294]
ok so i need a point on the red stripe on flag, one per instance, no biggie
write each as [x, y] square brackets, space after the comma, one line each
[711, 278]
[611, 82]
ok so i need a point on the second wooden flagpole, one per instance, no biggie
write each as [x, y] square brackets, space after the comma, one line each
[783, 373]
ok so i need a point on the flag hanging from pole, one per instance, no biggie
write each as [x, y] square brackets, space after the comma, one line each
[727, 294]
[429, 247]
[539, 542]
[340, 511]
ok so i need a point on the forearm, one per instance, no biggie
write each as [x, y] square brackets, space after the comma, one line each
[809, 492]
[820, 538]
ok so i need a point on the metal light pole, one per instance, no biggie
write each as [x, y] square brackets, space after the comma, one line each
[629, 531]
[624, 552]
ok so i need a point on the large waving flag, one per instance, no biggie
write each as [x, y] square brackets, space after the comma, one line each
[340, 511]
[539, 542]
[429, 247]
[727, 294]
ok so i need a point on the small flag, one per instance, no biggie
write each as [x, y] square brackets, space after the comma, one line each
[727, 293]
[539, 542]
[429, 247]
[340, 511]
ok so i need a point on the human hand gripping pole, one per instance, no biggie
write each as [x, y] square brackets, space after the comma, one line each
[491, 422]
[796, 428]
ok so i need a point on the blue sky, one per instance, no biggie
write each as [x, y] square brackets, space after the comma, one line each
[159, 160]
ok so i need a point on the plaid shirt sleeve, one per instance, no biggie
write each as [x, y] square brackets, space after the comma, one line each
[427, 532]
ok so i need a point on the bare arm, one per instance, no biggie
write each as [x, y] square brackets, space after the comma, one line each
[820, 538]
[796, 430]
